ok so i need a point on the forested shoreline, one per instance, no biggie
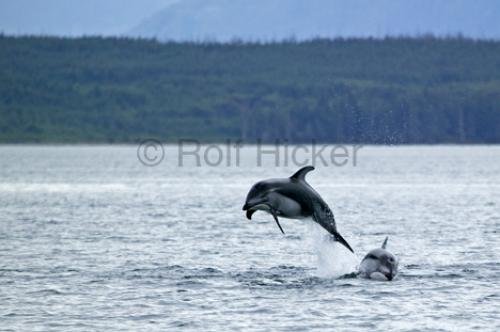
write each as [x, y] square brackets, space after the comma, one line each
[116, 90]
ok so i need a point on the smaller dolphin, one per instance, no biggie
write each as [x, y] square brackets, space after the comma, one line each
[379, 264]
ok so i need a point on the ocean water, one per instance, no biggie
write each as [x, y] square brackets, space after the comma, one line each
[92, 239]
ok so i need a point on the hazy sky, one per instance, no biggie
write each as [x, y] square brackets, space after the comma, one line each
[75, 17]
[250, 19]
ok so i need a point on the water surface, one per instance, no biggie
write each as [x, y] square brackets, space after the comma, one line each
[91, 239]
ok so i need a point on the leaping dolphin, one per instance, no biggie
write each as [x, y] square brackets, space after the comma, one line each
[292, 198]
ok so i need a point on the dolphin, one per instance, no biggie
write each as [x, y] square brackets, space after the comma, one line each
[292, 198]
[379, 264]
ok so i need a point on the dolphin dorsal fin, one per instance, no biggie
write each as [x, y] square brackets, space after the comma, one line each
[385, 242]
[301, 173]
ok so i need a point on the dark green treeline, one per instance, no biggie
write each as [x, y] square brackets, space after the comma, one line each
[396, 90]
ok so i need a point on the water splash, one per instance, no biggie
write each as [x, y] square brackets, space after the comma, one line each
[333, 260]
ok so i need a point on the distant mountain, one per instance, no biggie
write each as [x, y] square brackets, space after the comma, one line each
[224, 20]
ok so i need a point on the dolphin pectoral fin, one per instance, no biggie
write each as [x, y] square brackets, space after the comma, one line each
[301, 173]
[277, 221]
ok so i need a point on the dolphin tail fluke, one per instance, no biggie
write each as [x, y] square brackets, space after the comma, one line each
[324, 216]
[342, 241]
[385, 242]
[277, 222]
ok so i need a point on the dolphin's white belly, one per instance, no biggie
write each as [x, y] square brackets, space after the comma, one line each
[286, 207]
[378, 276]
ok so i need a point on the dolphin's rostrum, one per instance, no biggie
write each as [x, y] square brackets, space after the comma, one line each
[292, 198]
